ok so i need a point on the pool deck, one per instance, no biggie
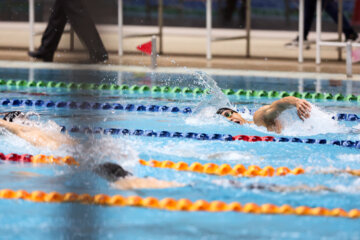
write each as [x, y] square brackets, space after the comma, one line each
[185, 47]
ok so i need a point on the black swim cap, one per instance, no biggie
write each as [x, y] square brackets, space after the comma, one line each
[10, 116]
[111, 171]
[221, 110]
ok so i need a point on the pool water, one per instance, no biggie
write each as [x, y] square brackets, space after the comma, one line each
[21, 219]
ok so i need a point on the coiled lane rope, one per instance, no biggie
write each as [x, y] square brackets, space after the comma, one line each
[237, 170]
[129, 107]
[167, 89]
[171, 204]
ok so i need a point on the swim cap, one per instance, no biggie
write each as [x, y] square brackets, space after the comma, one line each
[10, 116]
[111, 171]
[221, 110]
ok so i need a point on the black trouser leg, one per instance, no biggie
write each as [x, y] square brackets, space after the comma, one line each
[85, 28]
[54, 29]
[229, 10]
[309, 13]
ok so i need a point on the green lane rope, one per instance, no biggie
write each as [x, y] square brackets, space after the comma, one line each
[185, 90]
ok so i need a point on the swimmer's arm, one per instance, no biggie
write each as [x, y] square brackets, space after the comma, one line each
[269, 113]
[36, 136]
[142, 183]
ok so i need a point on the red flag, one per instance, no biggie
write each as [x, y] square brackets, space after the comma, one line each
[145, 48]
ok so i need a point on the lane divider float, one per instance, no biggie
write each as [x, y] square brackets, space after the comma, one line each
[239, 170]
[206, 137]
[208, 168]
[129, 107]
[68, 160]
[171, 204]
[224, 169]
[176, 89]
[93, 105]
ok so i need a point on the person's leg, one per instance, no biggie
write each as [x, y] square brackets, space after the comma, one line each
[85, 28]
[242, 13]
[309, 13]
[229, 10]
[331, 8]
[52, 35]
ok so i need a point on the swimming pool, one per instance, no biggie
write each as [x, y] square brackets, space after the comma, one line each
[21, 219]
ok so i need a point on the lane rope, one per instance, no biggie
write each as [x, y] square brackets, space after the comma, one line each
[206, 137]
[171, 204]
[224, 169]
[208, 168]
[237, 170]
[166, 89]
[93, 105]
[28, 158]
[130, 107]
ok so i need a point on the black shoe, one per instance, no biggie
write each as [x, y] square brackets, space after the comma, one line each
[352, 37]
[46, 57]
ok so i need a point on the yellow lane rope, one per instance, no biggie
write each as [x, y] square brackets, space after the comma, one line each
[171, 204]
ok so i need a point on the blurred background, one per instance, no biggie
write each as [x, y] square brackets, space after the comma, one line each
[274, 25]
[267, 15]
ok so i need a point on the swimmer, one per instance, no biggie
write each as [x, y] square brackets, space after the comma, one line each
[122, 179]
[267, 116]
[119, 178]
[32, 134]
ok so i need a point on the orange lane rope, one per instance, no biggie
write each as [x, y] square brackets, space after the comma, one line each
[171, 204]
[224, 169]
[208, 168]
[237, 170]
[40, 158]
[54, 160]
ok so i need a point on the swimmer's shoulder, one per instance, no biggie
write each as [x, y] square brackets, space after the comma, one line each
[259, 115]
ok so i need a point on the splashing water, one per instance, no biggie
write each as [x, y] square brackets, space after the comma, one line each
[217, 98]
[205, 111]
[319, 122]
[32, 119]
[88, 152]
[105, 149]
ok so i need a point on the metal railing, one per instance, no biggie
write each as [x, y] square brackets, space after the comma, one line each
[158, 34]
[347, 45]
[209, 39]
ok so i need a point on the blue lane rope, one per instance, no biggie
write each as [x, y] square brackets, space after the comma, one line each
[94, 106]
[130, 107]
[203, 136]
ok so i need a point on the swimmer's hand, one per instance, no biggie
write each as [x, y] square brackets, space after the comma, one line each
[303, 109]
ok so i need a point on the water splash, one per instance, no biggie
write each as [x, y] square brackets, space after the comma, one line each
[217, 99]
[94, 150]
[205, 111]
[319, 122]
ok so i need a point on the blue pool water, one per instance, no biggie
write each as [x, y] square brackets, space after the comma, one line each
[21, 219]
